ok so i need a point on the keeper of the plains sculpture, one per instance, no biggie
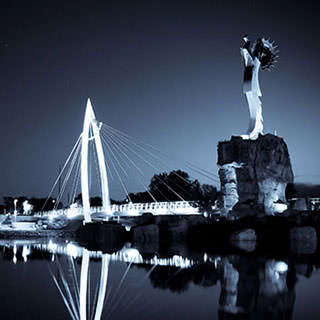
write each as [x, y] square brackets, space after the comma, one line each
[254, 168]
[260, 56]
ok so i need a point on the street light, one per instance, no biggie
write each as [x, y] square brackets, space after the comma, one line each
[15, 209]
[15, 205]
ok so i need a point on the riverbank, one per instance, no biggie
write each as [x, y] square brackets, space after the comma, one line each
[25, 227]
[294, 231]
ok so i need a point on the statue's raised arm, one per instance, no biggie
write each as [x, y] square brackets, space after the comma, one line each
[261, 55]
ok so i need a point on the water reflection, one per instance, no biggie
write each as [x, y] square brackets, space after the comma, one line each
[261, 290]
[75, 293]
[251, 287]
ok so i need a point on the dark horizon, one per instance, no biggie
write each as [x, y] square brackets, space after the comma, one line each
[169, 73]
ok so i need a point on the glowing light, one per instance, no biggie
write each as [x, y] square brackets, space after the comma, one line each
[14, 259]
[74, 211]
[27, 207]
[180, 261]
[15, 201]
[25, 253]
[280, 207]
[281, 267]
[217, 260]
[52, 246]
[132, 255]
[73, 250]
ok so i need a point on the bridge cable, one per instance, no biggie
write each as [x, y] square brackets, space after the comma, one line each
[60, 174]
[157, 168]
[161, 152]
[65, 300]
[106, 142]
[72, 166]
[177, 185]
[123, 186]
[162, 181]
[67, 295]
[75, 181]
[134, 165]
[116, 158]
[67, 176]
[157, 157]
[114, 145]
[126, 147]
[150, 164]
[119, 285]
[75, 281]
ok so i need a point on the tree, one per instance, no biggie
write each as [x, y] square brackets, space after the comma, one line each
[141, 197]
[175, 186]
[96, 201]
[209, 192]
[8, 203]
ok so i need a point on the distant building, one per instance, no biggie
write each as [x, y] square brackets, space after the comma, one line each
[304, 197]
[305, 203]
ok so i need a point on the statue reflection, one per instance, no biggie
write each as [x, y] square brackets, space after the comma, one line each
[251, 288]
[259, 289]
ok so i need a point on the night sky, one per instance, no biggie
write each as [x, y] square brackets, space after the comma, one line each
[168, 72]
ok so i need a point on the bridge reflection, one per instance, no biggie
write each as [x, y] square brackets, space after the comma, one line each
[251, 287]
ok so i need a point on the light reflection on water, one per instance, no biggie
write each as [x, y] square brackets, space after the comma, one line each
[65, 281]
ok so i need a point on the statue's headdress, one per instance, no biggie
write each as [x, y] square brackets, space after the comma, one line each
[266, 51]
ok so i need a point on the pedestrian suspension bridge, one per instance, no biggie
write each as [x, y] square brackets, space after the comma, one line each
[99, 140]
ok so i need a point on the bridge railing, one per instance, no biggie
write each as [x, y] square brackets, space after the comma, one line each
[154, 206]
[175, 207]
[66, 212]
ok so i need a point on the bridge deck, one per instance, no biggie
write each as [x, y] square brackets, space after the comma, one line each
[132, 209]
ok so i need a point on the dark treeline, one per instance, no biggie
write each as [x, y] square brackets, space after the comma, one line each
[301, 190]
[173, 186]
[97, 201]
[39, 204]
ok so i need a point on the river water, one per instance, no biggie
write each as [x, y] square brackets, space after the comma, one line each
[48, 280]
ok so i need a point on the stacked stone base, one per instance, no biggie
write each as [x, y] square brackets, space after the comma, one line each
[254, 173]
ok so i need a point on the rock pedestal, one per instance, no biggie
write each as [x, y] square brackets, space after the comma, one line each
[254, 172]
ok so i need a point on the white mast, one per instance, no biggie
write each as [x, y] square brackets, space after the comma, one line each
[90, 120]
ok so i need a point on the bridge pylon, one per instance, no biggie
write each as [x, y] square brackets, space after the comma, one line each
[90, 122]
